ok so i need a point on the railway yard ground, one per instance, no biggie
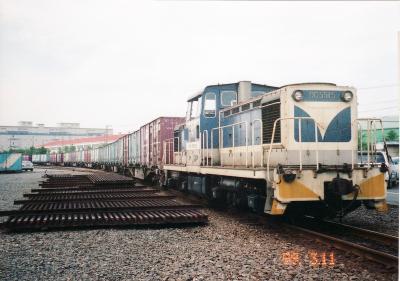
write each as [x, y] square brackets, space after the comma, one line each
[232, 246]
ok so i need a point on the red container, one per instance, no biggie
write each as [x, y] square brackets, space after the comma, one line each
[53, 157]
[87, 156]
[152, 137]
[26, 157]
[60, 158]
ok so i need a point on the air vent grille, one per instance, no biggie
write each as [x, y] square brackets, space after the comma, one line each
[270, 112]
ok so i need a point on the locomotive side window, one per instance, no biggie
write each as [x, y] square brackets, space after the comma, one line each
[188, 110]
[228, 98]
[193, 111]
[196, 108]
[210, 105]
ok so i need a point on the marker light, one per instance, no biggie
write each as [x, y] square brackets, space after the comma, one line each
[297, 95]
[347, 96]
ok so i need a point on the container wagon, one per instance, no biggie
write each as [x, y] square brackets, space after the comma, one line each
[40, 158]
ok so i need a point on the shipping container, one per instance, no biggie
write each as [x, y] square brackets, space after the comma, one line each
[26, 157]
[10, 162]
[134, 148]
[40, 158]
[153, 135]
[57, 158]
[36, 158]
[87, 156]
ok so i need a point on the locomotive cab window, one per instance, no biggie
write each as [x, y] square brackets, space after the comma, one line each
[210, 105]
[193, 109]
[228, 98]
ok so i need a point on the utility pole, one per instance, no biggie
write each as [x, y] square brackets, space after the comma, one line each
[106, 136]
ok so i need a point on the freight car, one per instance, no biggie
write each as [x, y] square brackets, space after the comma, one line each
[278, 150]
[139, 154]
[41, 159]
[56, 158]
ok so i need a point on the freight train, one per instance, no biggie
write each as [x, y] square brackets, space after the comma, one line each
[278, 150]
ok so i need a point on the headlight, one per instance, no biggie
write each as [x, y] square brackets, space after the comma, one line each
[297, 95]
[347, 96]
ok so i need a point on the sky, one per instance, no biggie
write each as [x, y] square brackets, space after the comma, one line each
[125, 63]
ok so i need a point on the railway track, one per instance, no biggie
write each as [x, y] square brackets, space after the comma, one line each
[378, 247]
[386, 256]
[98, 201]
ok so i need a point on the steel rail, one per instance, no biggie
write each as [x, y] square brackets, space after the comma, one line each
[178, 206]
[82, 188]
[98, 191]
[128, 218]
[366, 233]
[386, 259]
[120, 197]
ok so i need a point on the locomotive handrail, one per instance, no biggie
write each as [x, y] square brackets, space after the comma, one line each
[204, 143]
[261, 142]
[300, 133]
[371, 148]
[233, 141]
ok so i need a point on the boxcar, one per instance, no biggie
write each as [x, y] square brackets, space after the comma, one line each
[153, 135]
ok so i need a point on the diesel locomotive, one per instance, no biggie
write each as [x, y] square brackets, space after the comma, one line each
[278, 150]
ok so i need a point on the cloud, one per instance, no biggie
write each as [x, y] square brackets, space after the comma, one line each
[127, 62]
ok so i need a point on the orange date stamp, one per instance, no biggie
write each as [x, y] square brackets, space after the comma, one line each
[314, 258]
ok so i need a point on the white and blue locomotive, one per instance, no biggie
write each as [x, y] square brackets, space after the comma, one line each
[276, 150]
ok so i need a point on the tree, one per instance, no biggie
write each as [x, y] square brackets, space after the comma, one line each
[42, 150]
[362, 142]
[392, 136]
[70, 148]
[28, 151]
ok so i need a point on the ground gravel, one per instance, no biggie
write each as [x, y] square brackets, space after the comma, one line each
[374, 220]
[229, 248]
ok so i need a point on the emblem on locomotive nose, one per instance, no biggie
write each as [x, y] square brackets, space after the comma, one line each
[336, 129]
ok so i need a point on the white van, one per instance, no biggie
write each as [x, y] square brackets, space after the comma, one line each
[27, 165]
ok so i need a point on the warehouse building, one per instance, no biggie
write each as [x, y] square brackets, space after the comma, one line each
[26, 134]
[81, 143]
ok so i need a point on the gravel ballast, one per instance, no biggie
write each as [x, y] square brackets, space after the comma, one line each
[374, 220]
[229, 248]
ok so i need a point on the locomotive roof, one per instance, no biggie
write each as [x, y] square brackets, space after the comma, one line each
[199, 93]
[310, 83]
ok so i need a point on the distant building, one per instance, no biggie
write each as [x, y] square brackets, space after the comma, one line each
[26, 134]
[81, 143]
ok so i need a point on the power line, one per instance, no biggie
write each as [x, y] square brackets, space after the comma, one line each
[380, 109]
[380, 86]
[381, 101]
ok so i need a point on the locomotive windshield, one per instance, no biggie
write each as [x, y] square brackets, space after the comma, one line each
[193, 109]
[210, 105]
